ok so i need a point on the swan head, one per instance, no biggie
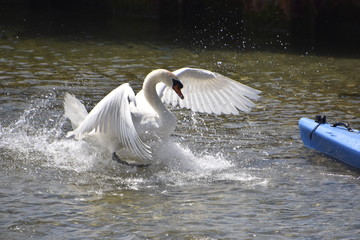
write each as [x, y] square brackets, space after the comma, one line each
[170, 80]
[177, 86]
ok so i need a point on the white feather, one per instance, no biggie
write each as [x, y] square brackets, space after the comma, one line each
[210, 92]
[112, 117]
[74, 110]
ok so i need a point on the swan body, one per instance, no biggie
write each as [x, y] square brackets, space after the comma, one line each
[123, 119]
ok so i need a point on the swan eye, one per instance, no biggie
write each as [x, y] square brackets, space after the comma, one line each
[177, 83]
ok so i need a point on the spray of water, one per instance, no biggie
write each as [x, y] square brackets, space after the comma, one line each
[38, 138]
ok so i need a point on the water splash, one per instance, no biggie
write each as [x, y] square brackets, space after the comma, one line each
[38, 138]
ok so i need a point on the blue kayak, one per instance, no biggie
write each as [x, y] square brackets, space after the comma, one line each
[337, 140]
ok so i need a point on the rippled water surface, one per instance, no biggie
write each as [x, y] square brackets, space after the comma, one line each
[224, 177]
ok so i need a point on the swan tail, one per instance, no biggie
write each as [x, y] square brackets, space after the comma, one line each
[74, 110]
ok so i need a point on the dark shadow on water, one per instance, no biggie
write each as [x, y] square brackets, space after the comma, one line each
[198, 27]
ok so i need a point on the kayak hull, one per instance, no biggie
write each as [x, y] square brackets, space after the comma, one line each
[336, 142]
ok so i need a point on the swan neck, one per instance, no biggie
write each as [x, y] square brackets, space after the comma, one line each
[152, 97]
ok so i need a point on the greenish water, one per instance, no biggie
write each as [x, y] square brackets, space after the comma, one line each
[233, 177]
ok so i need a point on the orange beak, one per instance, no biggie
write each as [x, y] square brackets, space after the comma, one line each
[178, 91]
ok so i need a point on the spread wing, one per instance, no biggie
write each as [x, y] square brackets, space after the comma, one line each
[210, 92]
[112, 116]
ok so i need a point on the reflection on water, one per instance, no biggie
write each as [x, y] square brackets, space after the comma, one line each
[245, 176]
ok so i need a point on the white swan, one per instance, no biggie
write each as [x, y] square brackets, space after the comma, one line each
[122, 119]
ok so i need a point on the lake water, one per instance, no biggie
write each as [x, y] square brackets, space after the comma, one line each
[234, 177]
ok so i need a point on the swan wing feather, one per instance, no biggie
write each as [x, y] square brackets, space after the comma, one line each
[112, 116]
[210, 92]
